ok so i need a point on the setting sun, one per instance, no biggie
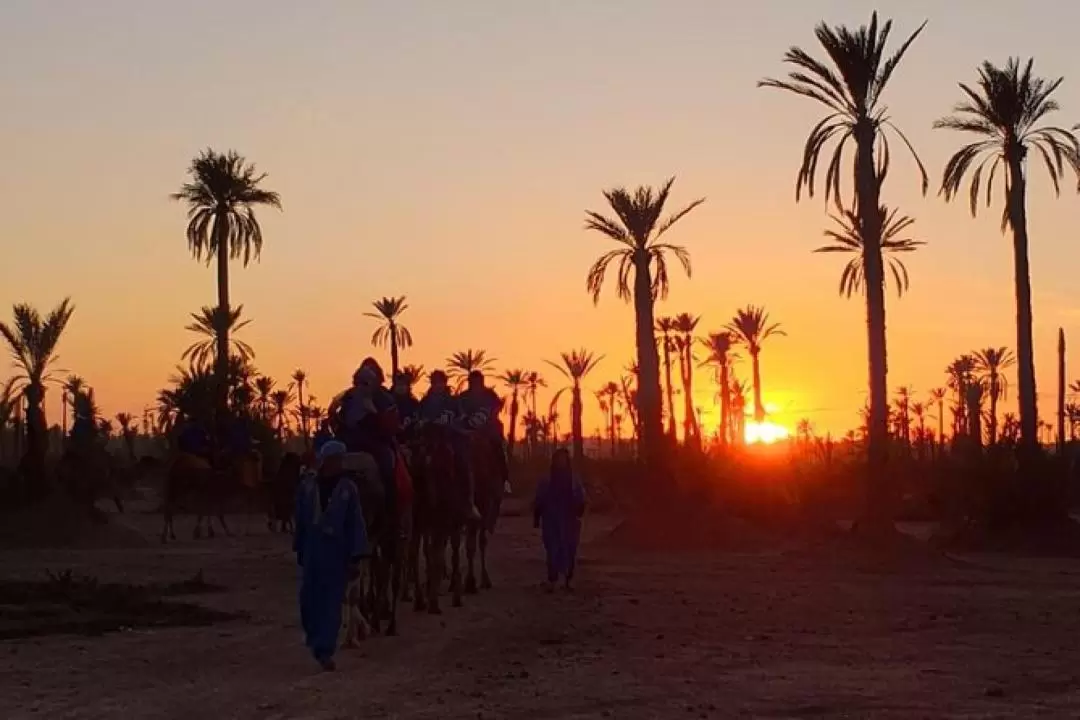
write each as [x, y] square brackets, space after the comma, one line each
[765, 432]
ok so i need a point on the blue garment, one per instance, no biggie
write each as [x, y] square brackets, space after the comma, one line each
[330, 535]
[559, 505]
[322, 436]
[408, 408]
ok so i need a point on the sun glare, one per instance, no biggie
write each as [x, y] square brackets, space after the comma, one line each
[765, 432]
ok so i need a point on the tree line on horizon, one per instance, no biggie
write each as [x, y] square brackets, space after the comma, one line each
[1004, 112]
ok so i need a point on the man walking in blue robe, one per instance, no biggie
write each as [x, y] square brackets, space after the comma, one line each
[330, 539]
[559, 506]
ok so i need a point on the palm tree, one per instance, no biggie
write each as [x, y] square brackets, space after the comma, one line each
[391, 332]
[666, 326]
[127, 429]
[738, 391]
[1005, 111]
[989, 362]
[852, 90]
[299, 377]
[9, 400]
[221, 196]
[281, 399]
[575, 365]
[211, 323]
[937, 397]
[73, 385]
[686, 324]
[848, 238]
[32, 341]
[515, 380]
[608, 397]
[533, 382]
[961, 376]
[460, 364]
[720, 346]
[642, 277]
[751, 328]
[264, 386]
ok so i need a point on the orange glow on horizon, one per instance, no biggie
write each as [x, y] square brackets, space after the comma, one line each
[764, 432]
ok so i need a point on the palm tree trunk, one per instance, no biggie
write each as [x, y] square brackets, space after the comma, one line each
[648, 363]
[941, 423]
[689, 416]
[221, 227]
[575, 423]
[303, 411]
[670, 389]
[393, 352]
[870, 220]
[725, 404]
[512, 435]
[611, 425]
[991, 428]
[1061, 392]
[1025, 354]
[759, 409]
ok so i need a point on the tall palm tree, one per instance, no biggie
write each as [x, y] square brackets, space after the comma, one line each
[281, 399]
[937, 397]
[9, 400]
[1005, 110]
[848, 238]
[211, 323]
[575, 366]
[608, 397]
[299, 378]
[961, 376]
[852, 91]
[72, 386]
[389, 310]
[264, 387]
[460, 364]
[222, 193]
[642, 277]
[32, 340]
[533, 382]
[720, 346]
[738, 391]
[686, 325]
[666, 326]
[515, 380]
[751, 328]
[989, 362]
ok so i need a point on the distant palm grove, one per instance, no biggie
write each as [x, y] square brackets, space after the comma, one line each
[1002, 121]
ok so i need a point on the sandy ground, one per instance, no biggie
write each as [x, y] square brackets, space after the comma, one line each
[790, 633]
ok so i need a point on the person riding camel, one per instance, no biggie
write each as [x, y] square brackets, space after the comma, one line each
[368, 423]
[193, 442]
[408, 407]
[440, 406]
[480, 405]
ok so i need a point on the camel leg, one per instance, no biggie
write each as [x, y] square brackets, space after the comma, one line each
[470, 558]
[417, 546]
[198, 527]
[455, 566]
[224, 525]
[119, 504]
[166, 525]
[485, 579]
[397, 574]
[436, 559]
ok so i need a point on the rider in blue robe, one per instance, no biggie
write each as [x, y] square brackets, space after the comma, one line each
[480, 408]
[330, 539]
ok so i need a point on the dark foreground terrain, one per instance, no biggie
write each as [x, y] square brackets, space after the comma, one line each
[779, 633]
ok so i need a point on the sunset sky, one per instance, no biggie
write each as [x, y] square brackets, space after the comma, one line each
[448, 151]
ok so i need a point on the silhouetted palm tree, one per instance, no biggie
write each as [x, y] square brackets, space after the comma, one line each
[937, 397]
[608, 398]
[460, 364]
[32, 341]
[642, 277]
[848, 239]
[412, 374]
[666, 326]
[515, 380]
[533, 382]
[299, 377]
[685, 325]
[751, 328]
[221, 196]
[720, 346]
[575, 365]
[212, 323]
[73, 385]
[281, 399]
[852, 90]
[264, 388]
[391, 332]
[9, 400]
[961, 375]
[989, 362]
[1005, 110]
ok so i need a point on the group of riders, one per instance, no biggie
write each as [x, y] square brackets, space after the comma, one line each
[372, 418]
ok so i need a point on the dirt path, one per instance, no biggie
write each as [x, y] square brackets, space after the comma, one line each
[766, 635]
